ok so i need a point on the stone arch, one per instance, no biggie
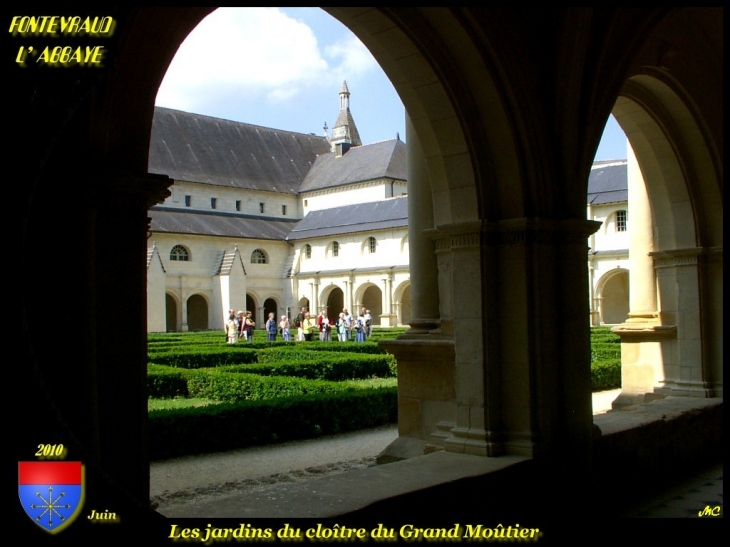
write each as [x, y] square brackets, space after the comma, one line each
[172, 312]
[370, 296]
[402, 302]
[679, 280]
[333, 297]
[613, 291]
[252, 306]
[198, 312]
[270, 306]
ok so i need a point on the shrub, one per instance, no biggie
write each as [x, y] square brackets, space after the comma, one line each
[178, 432]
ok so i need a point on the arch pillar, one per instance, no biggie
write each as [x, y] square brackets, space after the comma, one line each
[121, 225]
[644, 333]
[388, 318]
[103, 397]
[537, 346]
[421, 249]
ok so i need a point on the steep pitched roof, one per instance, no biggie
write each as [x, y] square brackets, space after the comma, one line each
[376, 215]
[361, 163]
[608, 183]
[180, 221]
[227, 260]
[197, 148]
[152, 254]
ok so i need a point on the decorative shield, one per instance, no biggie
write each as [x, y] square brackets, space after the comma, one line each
[51, 492]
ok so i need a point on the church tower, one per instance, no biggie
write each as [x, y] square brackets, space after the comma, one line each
[344, 132]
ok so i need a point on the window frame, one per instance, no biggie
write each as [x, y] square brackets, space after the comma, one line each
[179, 253]
[261, 257]
[372, 245]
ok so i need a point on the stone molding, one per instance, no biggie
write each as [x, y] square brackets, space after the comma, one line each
[452, 237]
[685, 257]
[515, 231]
[353, 185]
[537, 230]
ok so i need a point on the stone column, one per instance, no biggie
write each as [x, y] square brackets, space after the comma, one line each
[120, 205]
[642, 280]
[183, 306]
[386, 316]
[422, 258]
[315, 295]
[346, 300]
[644, 334]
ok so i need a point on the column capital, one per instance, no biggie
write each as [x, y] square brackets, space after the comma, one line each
[451, 237]
[130, 189]
[539, 230]
[684, 257]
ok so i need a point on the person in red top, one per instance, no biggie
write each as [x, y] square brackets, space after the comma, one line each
[325, 326]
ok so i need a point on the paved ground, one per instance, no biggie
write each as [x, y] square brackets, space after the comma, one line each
[182, 480]
[278, 470]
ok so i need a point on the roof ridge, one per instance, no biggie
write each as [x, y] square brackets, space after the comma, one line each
[239, 122]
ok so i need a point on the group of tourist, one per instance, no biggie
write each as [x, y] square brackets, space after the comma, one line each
[240, 326]
[343, 326]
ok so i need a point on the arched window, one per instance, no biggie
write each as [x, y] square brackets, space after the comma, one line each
[258, 257]
[335, 249]
[622, 218]
[179, 253]
[307, 251]
[372, 245]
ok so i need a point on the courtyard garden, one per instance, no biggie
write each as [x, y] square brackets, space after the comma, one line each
[209, 396]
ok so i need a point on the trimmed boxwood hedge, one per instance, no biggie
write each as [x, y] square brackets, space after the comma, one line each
[214, 428]
[280, 391]
[204, 357]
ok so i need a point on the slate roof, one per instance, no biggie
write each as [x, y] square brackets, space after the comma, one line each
[608, 184]
[360, 163]
[181, 221]
[197, 148]
[376, 215]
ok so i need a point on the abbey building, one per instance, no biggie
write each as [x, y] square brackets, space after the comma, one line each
[268, 220]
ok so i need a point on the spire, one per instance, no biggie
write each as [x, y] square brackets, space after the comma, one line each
[344, 131]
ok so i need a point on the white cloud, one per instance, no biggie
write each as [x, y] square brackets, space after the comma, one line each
[352, 58]
[256, 50]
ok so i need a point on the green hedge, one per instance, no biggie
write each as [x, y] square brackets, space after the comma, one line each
[215, 428]
[165, 382]
[315, 366]
[204, 357]
[233, 387]
[606, 374]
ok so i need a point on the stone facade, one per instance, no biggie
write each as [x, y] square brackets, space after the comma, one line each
[214, 212]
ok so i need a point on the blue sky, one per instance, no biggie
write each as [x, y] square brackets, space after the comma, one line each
[283, 68]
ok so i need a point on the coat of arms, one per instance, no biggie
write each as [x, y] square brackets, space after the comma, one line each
[51, 492]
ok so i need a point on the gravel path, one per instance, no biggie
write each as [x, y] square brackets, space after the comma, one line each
[195, 478]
